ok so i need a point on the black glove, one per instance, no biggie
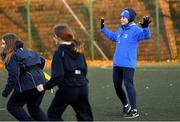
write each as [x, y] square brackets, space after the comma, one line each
[4, 94]
[47, 87]
[102, 23]
[42, 62]
[146, 22]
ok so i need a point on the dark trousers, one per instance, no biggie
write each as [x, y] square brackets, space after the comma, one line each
[75, 97]
[126, 74]
[32, 98]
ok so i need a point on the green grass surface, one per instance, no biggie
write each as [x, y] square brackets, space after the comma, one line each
[158, 95]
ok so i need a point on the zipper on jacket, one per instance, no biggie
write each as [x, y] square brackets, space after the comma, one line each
[32, 78]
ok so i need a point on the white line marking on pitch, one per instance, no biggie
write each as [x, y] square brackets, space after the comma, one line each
[2, 109]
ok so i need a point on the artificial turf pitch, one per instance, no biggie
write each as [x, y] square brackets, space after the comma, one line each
[158, 95]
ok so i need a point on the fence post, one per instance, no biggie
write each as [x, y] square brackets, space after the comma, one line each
[157, 32]
[91, 29]
[29, 23]
[84, 29]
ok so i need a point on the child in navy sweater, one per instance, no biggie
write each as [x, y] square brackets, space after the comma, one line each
[68, 72]
[25, 76]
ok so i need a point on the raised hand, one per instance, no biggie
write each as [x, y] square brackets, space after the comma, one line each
[146, 22]
[102, 23]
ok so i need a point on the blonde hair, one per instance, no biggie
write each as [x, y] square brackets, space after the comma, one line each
[62, 32]
[8, 51]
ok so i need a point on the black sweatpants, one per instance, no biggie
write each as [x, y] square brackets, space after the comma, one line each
[77, 98]
[32, 98]
[126, 74]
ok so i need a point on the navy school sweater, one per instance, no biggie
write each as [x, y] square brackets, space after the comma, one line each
[19, 81]
[67, 69]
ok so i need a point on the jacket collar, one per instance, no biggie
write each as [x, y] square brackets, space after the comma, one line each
[127, 26]
[66, 43]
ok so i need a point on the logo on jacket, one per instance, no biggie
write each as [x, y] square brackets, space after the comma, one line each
[125, 36]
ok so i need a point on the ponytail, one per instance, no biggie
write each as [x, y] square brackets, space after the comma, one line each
[78, 47]
[62, 32]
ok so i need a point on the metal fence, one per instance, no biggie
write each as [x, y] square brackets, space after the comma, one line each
[33, 20]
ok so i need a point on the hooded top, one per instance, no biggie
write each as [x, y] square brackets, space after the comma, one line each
[127, 39]
[23, 81]
[19, 44]
[129, 13]
[67, 69]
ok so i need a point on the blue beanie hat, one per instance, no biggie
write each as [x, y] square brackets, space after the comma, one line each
[129, 13]
[125, 14]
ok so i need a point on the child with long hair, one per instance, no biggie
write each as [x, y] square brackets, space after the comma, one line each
[68, 72]
[25, 76]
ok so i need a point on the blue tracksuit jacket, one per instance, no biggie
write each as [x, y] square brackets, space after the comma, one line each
[127, 39]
